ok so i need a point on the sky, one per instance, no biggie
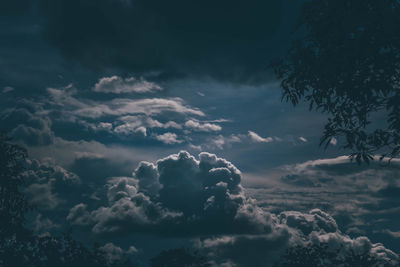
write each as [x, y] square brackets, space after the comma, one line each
[155, 124]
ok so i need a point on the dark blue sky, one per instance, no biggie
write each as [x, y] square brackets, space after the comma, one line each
[94, 88]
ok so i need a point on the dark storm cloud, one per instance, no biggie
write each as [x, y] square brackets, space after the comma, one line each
[224, 39]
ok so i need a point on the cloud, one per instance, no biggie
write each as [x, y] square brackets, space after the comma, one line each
[393, 234]
[114, 253]
[251, 137]
[179, 191]
[293, 229]
[147, 175]
[118, 85]
[254, 137]
[42, 225]
[7, 89]
[27, 125]
[203, 199]
[169, 138]
[202, 127]
[64, 100]
[141, 120]
[303, 139]
[127, 208]
[130, 129]
[49, 185]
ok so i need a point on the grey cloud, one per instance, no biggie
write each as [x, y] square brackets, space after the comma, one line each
[294, 229]
[179, 191]
[119, 85]
[169, 138]
[79, 215]
[42, 224]
[41, 195]
[130, 130]
[394, 234]
[246, 250]
[140, 120]
[27, 126]
[147, 175]
[65, 100]
[128, 209]
[7, 89]
[251, 137]
[203, 197]
[254, 137]
[202, 127]
[115, 253]
[48, 184]
[314, 221]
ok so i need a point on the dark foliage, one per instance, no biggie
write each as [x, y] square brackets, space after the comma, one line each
[321, 256]
[179, 258]
[18, 245]
[13, 204]
[46, 251]
[347, 64]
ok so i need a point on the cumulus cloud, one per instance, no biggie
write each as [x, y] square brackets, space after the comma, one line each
[128, 209]
[119, 85]
[27, 125]
[7, 89]
[258, 139]
[169, 138]
[203, 197]
[202, 127]
[178, 189]
[147, 175]
[292, 230]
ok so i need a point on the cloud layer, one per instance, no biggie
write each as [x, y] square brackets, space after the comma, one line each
[203, 199]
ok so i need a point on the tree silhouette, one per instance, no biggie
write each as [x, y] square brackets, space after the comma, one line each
[19, 247]
[347, 64]
[179, 257]
[13, 203]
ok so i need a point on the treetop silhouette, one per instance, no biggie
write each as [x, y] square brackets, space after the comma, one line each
[347, 64]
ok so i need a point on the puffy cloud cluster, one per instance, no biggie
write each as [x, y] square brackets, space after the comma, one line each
[202, 198]
[293, 230]
[181, 191]
[127, 209]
